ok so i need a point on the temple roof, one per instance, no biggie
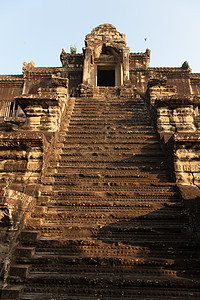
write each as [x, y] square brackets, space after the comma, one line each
[103, 34]
[10, 86]
[10, 77]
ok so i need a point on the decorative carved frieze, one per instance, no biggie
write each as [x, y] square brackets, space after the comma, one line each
[187, 158]
[21, 158]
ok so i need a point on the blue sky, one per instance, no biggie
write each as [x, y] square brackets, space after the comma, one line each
[38, 30]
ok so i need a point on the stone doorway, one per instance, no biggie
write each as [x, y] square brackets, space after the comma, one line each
[106, 57]
[105, 77]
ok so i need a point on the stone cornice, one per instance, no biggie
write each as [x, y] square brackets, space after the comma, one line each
[171, 71]
[14, 80]
[38, 100]
[43, 71]
[140, 54]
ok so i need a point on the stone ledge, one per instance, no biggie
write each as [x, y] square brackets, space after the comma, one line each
[22, 139]
[187, 137]
[22, 135]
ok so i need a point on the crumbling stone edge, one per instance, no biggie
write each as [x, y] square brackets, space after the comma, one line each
[15, 207]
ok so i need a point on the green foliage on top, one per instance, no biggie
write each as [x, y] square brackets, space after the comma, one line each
[73, 49]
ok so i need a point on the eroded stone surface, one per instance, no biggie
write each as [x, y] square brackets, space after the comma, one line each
[109, 221]
[14, 209]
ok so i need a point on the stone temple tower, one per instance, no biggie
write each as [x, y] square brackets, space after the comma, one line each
[105, 60]
[100, 177]
[106, 57]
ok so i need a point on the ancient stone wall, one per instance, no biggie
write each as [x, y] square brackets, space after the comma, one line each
[24, 145]
[140, 60]
[21, 161]
[139, 79]
[39, 77]
[176, 118]
[187, 158]
[175, 114]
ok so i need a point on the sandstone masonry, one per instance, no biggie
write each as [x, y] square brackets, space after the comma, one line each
[100, 177]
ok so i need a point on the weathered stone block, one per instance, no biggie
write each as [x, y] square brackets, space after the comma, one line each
[33, 222]
[19, 270]
[29, 236]
[184, 178]
[11, 292]
[25, 252]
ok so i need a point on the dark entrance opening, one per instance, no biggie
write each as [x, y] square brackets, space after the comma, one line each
[106, 77]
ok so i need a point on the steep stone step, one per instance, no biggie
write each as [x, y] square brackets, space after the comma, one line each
[105, 176]
[99, 217]
[138, 128]
[139, 192]
[119, 143]
[132, 234]
[95, 203]
[12, 292]
[172, 295]
[97, 280]
[66, 199]
[79, 176]
[103, 131]
[86, 256]
[25, 252]
[19, 271]
[116, 149]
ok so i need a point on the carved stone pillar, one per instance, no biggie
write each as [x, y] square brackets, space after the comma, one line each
[86, 66]
[126, 64]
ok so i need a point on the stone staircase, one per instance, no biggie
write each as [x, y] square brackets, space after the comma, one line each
[109, 224]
